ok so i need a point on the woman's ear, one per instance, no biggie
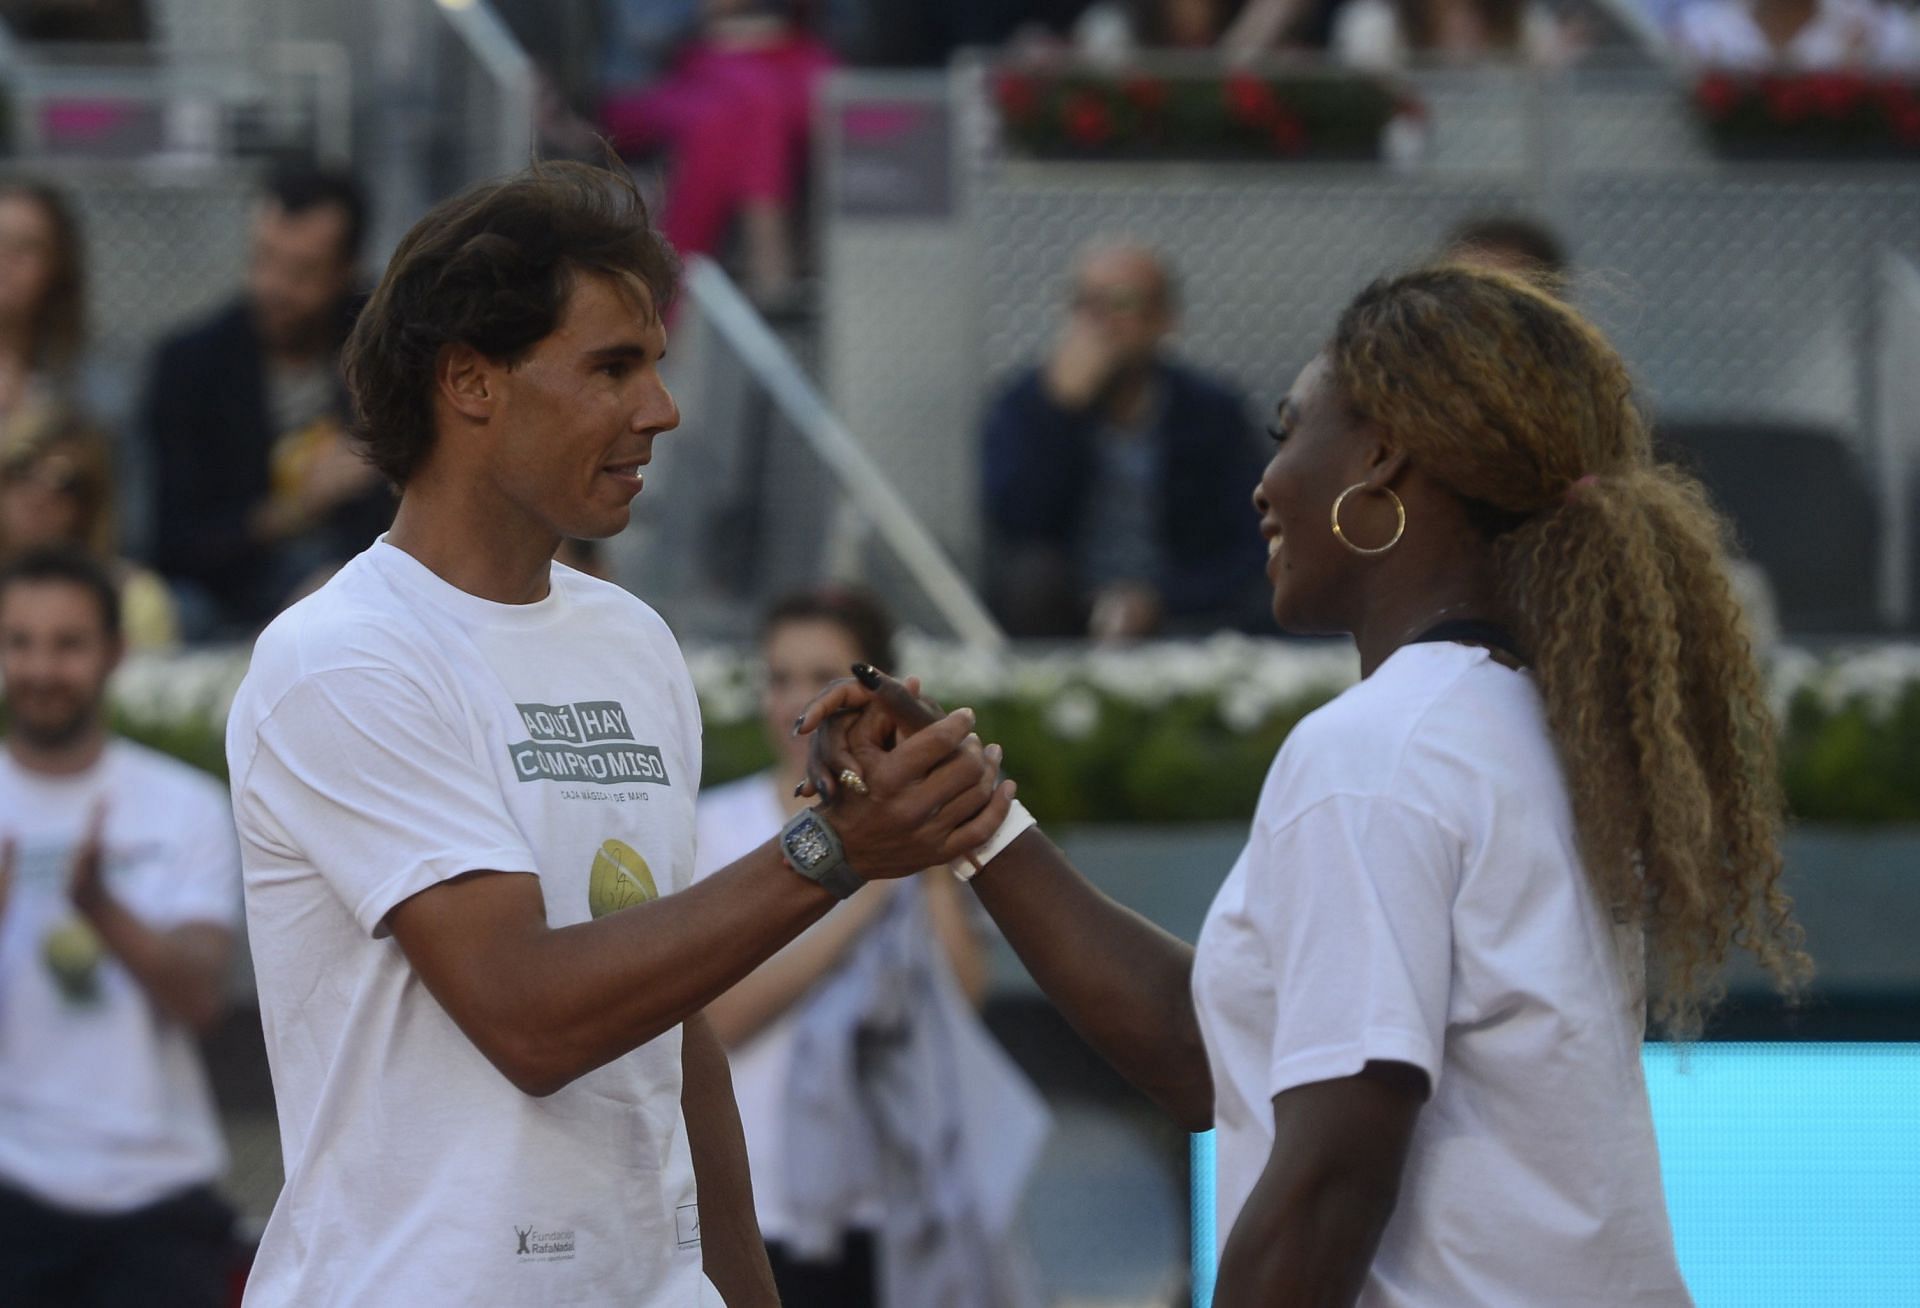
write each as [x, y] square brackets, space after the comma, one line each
[1385, 465]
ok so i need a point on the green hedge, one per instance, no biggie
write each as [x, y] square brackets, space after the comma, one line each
[1105, 738]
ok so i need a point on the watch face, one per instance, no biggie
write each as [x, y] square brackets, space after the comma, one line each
[808, 845]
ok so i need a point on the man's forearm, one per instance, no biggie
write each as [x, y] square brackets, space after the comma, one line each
[1124, 984]
[730, 1243]
[547, 1005]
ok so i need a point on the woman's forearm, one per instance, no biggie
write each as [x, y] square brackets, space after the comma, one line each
[1124, 984]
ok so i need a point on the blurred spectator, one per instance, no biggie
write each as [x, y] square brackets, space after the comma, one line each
[1803, 34]
[1116, 480]
[77, 20]
[258, 489]
[733, 114]
[1386, 34]
[119, 892]
[1511, 244]
[42, 309]
[1114, 26]
[864, 1000]
[57, 490]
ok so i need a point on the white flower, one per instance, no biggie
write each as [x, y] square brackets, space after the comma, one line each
[1073, 714]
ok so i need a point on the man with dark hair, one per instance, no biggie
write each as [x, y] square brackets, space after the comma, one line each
[464, 782]
[1115, 478]
[119, 887]
[257, 489]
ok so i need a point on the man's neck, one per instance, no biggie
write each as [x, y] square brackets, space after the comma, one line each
[474, 545]
[69, 758]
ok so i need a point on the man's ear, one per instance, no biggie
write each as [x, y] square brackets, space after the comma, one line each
[466, 380]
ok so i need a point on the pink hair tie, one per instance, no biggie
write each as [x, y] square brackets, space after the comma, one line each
[1589, 480]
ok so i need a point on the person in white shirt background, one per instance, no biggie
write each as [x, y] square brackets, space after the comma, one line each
[1864, 36]
[464, 780]
[119, 892]
[1415, 1012]
[780, 1022]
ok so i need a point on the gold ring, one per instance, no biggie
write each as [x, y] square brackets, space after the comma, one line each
[853, 781]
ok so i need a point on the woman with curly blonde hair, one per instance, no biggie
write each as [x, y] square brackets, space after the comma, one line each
[1416, 1008]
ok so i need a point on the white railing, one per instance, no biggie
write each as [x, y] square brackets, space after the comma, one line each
[727, 313]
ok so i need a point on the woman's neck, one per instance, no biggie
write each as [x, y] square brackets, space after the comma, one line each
[1406, 605]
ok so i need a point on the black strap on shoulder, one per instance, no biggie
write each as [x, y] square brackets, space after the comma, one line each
[1473, 631]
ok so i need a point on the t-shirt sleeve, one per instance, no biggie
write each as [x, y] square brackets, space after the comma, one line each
[358, 773]
[203, 879]
[1354, 899]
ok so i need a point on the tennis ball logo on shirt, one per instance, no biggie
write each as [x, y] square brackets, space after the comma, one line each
[72, 953]
[620, 879]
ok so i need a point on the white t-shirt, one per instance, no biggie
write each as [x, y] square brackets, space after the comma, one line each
[1412, 892]
[393, 732]
[734, 820]
[104, 1104]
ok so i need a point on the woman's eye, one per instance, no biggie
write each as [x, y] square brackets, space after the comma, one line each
[1277, 432]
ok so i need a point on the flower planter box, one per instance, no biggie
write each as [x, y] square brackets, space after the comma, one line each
[1236, 117]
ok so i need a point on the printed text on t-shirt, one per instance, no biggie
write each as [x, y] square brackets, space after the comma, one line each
[587, 741]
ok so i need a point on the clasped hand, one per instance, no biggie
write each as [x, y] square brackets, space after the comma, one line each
[933, 791]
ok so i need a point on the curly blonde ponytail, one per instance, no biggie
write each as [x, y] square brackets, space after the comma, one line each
[1613, 571]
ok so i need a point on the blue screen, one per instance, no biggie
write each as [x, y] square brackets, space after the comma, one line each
[1792, 1173]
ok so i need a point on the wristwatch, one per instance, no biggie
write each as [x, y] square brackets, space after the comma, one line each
[813, 849]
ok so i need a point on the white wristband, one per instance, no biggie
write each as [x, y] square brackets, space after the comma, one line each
[1017, 821]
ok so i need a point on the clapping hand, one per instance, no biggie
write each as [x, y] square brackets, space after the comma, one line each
[86, 879]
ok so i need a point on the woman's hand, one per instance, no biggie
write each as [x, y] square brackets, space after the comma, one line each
[929, 798]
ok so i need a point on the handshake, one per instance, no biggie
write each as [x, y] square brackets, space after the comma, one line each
[904, 785]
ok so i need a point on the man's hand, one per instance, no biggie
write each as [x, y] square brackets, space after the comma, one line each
[929, 798]
[1082, 363]
[86, 879]
[339, 472]
[1125, 611]
[9, 858]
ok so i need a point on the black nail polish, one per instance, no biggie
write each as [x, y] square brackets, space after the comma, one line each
[866, 675]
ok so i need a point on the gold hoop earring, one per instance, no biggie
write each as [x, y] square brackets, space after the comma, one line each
[1399, 529]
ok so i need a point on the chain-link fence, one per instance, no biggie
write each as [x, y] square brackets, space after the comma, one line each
[1736, 290]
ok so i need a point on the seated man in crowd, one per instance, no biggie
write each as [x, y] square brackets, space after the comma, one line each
[119, 890]
[1116, 480]
[258, 492]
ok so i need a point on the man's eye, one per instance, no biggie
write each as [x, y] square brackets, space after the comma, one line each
[1278, 433]
[614, 370]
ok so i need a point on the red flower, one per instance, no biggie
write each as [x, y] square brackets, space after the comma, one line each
[1250, 100]
[1289, 134]
[1086, 120]
[1717, 94]
[1147, 94]
[1789, 99]
[1906, 124]
[1016, 96]
[1835, 94]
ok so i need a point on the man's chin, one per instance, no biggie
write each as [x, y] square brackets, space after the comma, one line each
[50, 732]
